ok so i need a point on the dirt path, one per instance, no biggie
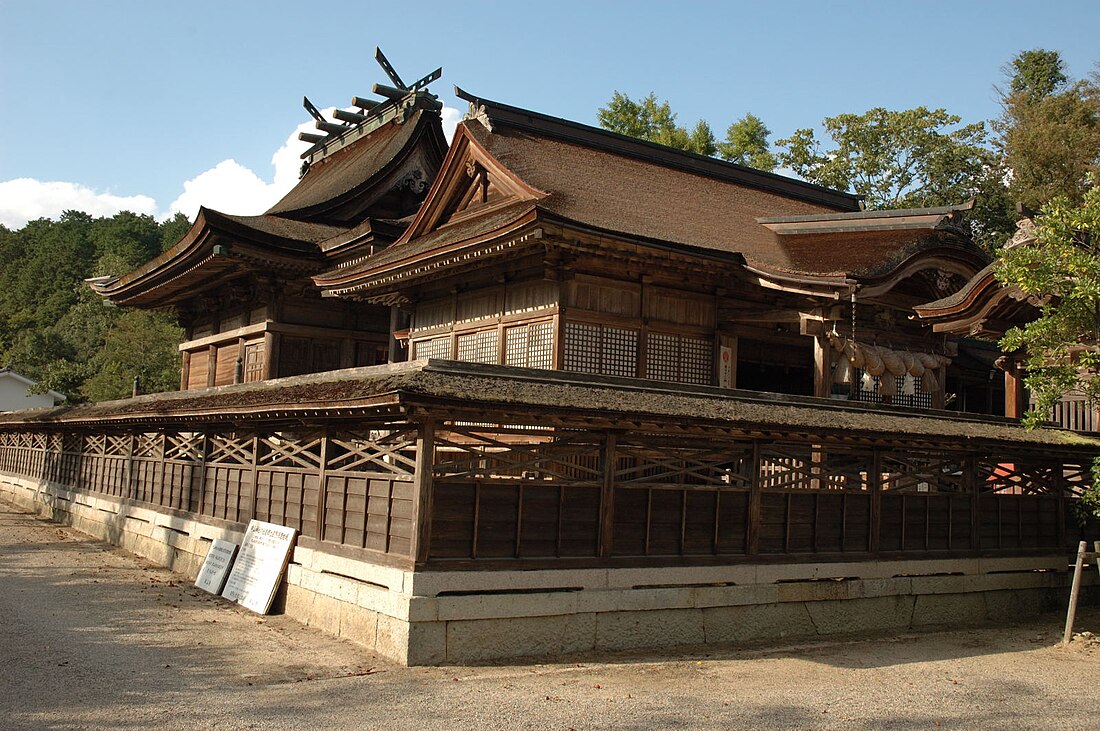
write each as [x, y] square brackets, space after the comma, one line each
[93, 637]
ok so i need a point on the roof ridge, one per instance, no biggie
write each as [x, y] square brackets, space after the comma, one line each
[652, 152]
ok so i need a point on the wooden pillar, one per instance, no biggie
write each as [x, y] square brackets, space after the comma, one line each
[875, 486]
[185, 370]
[974, 487]
[211, 364]
[422, 488]
[322, 488]
[607, 496]
[392, 346]
[752, 530]
[823, 380]
[1016, 401]
[271, 355]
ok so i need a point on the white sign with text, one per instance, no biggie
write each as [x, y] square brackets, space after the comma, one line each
[215, 568]
[259, 566]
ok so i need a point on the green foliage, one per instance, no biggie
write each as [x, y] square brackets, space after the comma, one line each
[1051, 143]
[1037, 73]
[1061, 271]
[655, 121]
[54, 329]
[905, 159]
[747, 144]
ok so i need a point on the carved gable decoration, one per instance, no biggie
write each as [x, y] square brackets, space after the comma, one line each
[470, 182]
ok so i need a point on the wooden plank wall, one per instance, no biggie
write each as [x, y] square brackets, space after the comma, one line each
[521, 494]
[353, 488]
[592, 496]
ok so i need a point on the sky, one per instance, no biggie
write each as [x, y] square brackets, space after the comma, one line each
[157, 107]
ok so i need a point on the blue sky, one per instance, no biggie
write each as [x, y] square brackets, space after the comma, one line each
[126, 104]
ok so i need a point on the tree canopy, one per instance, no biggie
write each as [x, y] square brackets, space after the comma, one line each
[54, 329]
[1049, 132]
[746, 143]
[746, 140]
[895, 159]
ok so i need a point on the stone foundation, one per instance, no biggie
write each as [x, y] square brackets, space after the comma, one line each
[424, 618]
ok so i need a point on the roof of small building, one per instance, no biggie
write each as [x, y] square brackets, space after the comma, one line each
[24, 380]
[356, 392]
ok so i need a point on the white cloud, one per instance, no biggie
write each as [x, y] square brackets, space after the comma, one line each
[232, 188]
[451, 118]
[26, 199]
[228, 187]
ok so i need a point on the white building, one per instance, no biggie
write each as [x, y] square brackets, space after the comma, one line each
[15, 393]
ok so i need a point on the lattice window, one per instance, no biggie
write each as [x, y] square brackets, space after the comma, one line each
[184, 446]
[281, 449]
[609, 351]
[530, 346]
[918, 400]
[482, 346]
[376, 451]
[805, 467]
[229, 449]
[466, 452]
[649, 467]
[1010, 476]
[433, 348]
[910, 471]
[678, 358]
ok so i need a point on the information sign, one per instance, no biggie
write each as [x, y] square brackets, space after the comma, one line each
[259, 566]
[215, 568]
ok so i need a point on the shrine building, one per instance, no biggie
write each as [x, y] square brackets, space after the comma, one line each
[545, 389]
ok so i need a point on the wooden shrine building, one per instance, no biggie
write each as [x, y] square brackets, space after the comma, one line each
[549, 389]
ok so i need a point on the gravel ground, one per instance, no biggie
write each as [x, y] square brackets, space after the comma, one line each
[94, 637]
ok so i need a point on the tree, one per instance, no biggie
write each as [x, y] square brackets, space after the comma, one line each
[54, 329]
[747, 144]
[1061, 270]
[1037, 73]
[655, 121]
[905, 159]
[1049, 131]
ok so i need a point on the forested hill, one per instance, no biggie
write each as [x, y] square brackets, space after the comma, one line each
[54, 329]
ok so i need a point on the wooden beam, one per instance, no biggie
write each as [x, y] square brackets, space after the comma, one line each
[422, 488]
[607, 496]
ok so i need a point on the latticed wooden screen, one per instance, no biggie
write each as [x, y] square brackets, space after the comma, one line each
[482, 346]
[605, 350]
[538, 492]
[366, 501]
[679, 358]
[530, 345]
[433, 348]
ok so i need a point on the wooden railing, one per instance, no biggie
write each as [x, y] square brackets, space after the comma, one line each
[352, 487]
[1075, 413]
[496, 496]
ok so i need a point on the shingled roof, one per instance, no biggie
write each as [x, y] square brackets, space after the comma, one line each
[604, 182]
[320, 222]
[360, 392]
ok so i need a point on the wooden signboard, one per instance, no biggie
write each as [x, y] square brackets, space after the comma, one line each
[259, 566]
[215, 569]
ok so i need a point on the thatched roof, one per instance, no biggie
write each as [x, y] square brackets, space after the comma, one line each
[452, 387]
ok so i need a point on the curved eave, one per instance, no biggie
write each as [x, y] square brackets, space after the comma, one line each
[428, 130]
[983, 308]
[195, 263]
[502, 240]
[961, 260]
